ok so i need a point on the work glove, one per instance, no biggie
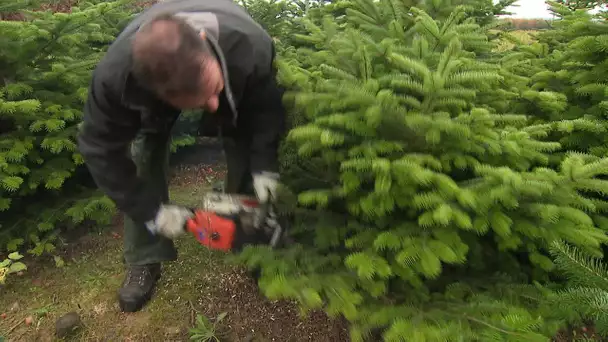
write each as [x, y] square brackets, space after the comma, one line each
[170, 221]
[265, 185]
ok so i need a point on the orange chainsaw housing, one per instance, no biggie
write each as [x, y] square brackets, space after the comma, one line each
[212, 230]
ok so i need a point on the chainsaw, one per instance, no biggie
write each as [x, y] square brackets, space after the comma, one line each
[229, 222]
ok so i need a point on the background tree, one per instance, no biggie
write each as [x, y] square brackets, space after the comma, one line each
[276, 16]
[565, 74]
[581, 4]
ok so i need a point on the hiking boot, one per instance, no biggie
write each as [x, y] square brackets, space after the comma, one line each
[138, 287]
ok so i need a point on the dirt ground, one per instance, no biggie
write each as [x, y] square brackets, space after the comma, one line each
[200, 282]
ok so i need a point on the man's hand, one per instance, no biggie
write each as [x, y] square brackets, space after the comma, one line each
[170, 221]
[265, 185]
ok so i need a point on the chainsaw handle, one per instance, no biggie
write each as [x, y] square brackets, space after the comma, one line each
[191, 219]
[276, 236]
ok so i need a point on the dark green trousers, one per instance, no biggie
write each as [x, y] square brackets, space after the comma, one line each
[150, 152]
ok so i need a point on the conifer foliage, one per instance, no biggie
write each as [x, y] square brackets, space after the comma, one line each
[45, 64]
[581, 4]
[567, 79]
[421, 182]
[586, 298]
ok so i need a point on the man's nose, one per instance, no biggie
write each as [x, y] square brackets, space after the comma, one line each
[213, 103]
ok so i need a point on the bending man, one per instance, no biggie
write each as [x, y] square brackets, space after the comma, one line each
[178, 55]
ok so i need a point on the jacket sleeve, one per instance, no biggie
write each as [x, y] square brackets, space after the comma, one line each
[104, 141]
[263, 100]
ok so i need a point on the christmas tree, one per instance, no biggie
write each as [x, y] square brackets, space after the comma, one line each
[422, 186]
[46, 60]
[573, 73]
[565, 74]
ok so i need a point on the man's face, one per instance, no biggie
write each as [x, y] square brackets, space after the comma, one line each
[212, 84]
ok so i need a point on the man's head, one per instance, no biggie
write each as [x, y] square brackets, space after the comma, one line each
[173, 60]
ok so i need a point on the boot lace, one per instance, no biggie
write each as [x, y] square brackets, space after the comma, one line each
[138, 275]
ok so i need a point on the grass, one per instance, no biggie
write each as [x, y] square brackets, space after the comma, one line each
[88, 282]
[200, 282]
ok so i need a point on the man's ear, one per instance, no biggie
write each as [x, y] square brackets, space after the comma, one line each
[203, 34]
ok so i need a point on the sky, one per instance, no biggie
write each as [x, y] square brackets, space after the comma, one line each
[530, 9]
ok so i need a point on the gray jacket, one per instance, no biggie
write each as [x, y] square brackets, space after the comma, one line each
[117, 108]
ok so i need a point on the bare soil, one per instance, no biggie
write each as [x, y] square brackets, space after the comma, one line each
[586, 333]
[200, 282]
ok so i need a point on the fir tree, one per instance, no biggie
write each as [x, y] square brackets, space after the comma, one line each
[586, 298]
[581, 4]
[45, 64]
[424, 181]
[565, 72]
[275, 16]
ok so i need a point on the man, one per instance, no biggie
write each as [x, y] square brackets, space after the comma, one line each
[177, 55]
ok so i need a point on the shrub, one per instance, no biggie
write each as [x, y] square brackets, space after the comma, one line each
[45, 64]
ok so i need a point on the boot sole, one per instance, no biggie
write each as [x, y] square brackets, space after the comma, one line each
[129, 306]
